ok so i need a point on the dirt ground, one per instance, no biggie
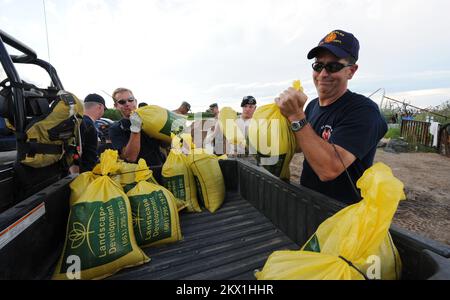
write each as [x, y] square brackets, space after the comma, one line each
[426, 177]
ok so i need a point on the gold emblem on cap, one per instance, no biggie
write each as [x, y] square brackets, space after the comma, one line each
[330, 37]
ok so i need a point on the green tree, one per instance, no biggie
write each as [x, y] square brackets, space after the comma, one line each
[112, 114]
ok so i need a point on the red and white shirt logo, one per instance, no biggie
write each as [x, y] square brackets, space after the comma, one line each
[326, 132]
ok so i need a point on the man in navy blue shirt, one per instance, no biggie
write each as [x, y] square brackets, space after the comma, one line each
[126, 135]
[339, 131]
[94, 108]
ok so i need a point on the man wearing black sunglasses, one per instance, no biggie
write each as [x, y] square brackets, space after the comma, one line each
[339, 131]
[126, 135]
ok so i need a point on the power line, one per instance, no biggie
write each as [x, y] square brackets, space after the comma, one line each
[46, 30]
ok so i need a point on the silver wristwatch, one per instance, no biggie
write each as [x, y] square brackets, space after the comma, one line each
[297, 125]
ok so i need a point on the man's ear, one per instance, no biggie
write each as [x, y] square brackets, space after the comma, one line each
[353, 70]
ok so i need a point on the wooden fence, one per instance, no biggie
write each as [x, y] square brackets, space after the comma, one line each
[417, 132]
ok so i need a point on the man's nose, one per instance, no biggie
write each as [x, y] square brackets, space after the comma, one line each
[324, 73]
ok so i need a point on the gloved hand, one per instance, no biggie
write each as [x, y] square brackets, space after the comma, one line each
[136, 123]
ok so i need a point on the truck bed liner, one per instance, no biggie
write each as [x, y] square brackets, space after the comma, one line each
[261, 214]
[229, 244]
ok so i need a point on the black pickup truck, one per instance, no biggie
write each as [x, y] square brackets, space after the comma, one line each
[261, 214]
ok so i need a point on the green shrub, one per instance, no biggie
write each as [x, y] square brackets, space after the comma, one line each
[392, 133]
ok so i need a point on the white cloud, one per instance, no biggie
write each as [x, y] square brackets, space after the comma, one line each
[207, 51]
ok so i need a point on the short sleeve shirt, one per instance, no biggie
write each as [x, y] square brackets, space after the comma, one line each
[355, 123]
[89, 144]
[120, 132]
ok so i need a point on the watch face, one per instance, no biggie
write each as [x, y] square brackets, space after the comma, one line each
[295, 126]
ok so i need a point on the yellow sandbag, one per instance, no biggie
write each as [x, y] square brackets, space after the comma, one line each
[100, 231]
[356, 235]
[155, 214]
[159, 122]
[126, 175]
[208, 177]
[183, 143]
[271, 136]
[79, 185]
[227, 123]
[178, 178]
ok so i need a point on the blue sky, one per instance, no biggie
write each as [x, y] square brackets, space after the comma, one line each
[219, 51]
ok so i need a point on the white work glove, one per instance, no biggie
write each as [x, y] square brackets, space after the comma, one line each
[136, 123]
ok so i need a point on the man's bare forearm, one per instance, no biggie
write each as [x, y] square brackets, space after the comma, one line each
[321, 155]
[131, 151]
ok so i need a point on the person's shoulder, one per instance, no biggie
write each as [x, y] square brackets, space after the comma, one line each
[88, 121]
[116, 127]
[312, 103]
[361, 101]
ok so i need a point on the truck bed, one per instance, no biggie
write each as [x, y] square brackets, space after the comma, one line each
[261, 214]
[229, 244]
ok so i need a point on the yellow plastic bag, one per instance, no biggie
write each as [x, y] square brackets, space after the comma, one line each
[126, 175]
[155, 214]
[227, 123]
[358, 234]
[271, 136]
[160, 123]
[79, 185]
[100, 231]
[208, 177]
[178, 178]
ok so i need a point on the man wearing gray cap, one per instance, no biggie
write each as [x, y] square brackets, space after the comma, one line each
[183, 109]
[94, 108]
[339, 131]
[248, 105]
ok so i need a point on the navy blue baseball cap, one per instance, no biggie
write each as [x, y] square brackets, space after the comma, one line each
[340, 43]
[248, 100]
[95, 98]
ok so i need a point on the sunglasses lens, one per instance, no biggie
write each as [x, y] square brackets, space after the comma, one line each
[331, 67]
[123, 102]
[318, 67]
[334, 67]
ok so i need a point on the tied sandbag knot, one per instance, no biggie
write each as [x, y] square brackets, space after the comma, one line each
[354, 267]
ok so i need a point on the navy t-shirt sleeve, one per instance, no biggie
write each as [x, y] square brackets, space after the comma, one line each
[89, 145]
[118, 139]
[359, 130]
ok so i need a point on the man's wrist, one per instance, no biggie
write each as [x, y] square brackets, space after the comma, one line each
[297, 117]
[135, 130]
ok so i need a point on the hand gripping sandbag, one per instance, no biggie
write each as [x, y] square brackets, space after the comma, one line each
[160, 123]
[208, 177]
[155, 213]
[227, 123]
[353, 244]
[99, 232]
